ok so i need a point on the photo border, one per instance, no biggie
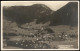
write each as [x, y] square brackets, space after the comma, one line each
[34, 49]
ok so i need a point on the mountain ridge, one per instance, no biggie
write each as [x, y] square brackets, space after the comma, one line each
[67, 15]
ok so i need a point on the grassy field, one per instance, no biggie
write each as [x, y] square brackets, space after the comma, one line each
[54, 44]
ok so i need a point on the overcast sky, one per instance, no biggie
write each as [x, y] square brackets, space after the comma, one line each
[54, 5]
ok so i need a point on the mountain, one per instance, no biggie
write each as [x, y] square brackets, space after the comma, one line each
[67, 15]
[26, 14]
[23, 19]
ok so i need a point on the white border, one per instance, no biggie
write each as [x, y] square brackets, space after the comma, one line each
[33, 49]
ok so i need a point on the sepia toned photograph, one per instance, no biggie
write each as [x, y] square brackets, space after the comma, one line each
[39, 25]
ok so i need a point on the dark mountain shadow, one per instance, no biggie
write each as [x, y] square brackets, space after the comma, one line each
[67, 15]
[26, 14]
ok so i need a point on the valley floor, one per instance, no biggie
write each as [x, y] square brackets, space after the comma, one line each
[56, 45]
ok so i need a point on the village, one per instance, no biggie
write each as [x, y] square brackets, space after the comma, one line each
[36, 36]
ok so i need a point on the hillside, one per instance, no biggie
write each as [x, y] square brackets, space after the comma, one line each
[22, 17]
[26, 14]
[67, 15]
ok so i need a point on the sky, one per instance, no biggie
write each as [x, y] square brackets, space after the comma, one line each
[54, 5]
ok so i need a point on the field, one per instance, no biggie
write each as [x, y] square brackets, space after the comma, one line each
[70, 43]
[55, 44]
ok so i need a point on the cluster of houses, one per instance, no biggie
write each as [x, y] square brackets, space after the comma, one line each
[36, 32]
